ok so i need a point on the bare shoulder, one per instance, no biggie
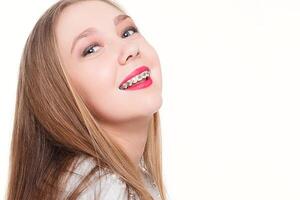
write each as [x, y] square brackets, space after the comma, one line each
[103, 185]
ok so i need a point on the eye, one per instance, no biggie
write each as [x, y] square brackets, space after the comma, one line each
[90, 49]
[129, 31]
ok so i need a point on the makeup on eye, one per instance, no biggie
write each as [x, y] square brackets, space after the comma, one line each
[135, 29]
[124, 34]
[86, 51]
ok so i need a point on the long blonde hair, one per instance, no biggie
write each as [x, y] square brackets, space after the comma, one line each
[52, 126]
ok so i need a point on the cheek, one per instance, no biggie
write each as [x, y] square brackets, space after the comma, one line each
[151, 54]
[154, 60]
[94, 83]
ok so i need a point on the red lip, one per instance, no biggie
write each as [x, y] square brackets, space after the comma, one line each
[134, 73]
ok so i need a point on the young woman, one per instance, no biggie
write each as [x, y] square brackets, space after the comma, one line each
[86, 121]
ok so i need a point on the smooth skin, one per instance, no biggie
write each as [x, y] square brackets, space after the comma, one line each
[123, 114]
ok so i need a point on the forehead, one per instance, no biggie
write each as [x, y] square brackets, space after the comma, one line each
[81, 15]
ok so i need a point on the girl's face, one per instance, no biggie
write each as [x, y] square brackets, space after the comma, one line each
[99, 47]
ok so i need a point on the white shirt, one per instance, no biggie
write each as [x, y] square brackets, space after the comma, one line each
[108, 187]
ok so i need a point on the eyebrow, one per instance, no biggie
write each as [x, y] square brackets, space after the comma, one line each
[117, 20]
[120, 18]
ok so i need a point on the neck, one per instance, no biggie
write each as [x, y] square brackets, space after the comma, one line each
[130, 135]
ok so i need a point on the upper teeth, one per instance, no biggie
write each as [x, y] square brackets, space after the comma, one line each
[135, 79]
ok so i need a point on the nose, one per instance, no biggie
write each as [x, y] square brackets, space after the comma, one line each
[130, 51]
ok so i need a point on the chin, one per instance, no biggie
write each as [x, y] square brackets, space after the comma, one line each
[154, 105]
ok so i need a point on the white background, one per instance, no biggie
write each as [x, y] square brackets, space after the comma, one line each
[231, 92]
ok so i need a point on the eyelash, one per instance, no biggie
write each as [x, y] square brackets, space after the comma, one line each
[86, 51]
